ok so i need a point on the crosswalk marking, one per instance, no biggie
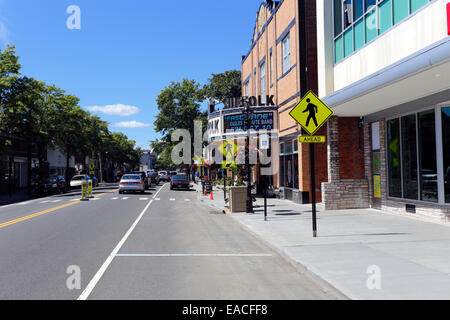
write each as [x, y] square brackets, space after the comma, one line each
[115, 198]
[157, 199]
[172, 199]
[187, 200]
[143, 199]
[126, 198]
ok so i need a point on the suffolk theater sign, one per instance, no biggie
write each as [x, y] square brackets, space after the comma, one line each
[252, 101]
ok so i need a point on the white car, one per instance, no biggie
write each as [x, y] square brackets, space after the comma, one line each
[132, 182]
[77, 181]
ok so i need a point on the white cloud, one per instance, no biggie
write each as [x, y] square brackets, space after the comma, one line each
[132, 124]
[115, 110]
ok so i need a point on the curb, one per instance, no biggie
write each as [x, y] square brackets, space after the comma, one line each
[323, 284]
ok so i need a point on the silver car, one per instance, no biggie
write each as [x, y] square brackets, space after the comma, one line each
[131, 182]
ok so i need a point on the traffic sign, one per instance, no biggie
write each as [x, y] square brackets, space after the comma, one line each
[312, 139]
[311, 113]
[91, 173]
[92, 166]
[229, 152]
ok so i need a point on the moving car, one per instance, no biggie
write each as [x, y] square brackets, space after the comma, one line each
[154, 177]
[180, 181]
[145, 178]
[52, 184]
[163, 176]
[132, 182]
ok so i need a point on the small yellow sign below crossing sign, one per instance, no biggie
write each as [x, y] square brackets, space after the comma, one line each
[311, 113]
[312, 139]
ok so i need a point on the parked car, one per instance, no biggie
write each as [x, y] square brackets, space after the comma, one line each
[145, 178]
[50, 185]
[132, 182]
[163, 176]
[180, 181]
[154, 177]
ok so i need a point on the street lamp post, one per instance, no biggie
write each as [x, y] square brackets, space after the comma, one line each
[248, 121]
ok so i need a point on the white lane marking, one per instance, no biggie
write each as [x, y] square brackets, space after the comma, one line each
[143, 199]
[115, 198]
[157, 199]
[55, 201]
[46, 201]
[87, 291]
[172, 199]
[162, 255]
[187, 200]
[23, 203]
[126, 198]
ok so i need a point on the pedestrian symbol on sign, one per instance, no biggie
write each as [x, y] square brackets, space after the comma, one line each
[311, 113]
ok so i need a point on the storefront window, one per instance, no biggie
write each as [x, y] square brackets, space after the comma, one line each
[289, 165]
[409, 157]
[394, 164]
[427, 151]
[446, 149]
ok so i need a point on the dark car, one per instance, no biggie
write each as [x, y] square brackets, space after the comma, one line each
[52, 184]
[180, 181]
[146, 180]
[154, 177]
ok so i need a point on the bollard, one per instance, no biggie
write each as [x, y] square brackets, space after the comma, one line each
[84, 191]
[90, 196]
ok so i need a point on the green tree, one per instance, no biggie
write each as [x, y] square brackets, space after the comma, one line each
[223, 85]
[179, 106]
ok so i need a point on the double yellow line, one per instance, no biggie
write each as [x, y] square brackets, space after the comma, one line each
[37, 214]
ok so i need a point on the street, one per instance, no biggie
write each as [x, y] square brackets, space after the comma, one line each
[161, 245]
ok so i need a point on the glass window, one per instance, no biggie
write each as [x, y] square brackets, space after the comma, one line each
[337, 17]
[370, 4]
[286, 53]
[282, 171]
[247, 88]
[417, 4]
[401, 10]
[295, 144]
[347, 13]
[256, 84]
[358, 9]
[295, 160]
[385, 15]
[409, 157]
[263, 83]
[359, 31]
[394, 165]
[271, 69]
[427, 152]
[446, 142]
[348, 42]
[338, 49]
[371, 26]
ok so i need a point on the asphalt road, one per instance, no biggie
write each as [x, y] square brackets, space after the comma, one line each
[161, 245]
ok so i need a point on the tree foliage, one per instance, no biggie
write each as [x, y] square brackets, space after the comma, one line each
[224, 85]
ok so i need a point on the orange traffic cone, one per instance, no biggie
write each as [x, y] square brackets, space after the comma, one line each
[212, 198]
[204, 193]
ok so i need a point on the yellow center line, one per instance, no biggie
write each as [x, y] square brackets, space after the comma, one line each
[40, 213]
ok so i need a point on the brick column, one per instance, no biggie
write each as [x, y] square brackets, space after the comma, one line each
[368, 159]
[333, 149]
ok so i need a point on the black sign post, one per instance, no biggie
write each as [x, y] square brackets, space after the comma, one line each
[313, 189]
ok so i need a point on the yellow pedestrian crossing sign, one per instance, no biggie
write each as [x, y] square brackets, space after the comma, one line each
[229, 152]
[311, 113]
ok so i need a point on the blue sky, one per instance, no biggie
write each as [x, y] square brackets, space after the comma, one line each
[126, 52]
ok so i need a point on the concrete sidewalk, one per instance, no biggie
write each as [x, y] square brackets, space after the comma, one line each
[411, 255]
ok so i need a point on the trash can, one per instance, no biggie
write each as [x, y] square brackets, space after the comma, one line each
[238, 199]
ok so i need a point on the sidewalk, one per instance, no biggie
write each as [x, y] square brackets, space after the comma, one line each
[413, 256]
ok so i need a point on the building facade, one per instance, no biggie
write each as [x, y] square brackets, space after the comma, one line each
[384, 67]
[282, 62]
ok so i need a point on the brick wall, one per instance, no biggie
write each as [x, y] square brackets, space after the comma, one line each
[351, 149]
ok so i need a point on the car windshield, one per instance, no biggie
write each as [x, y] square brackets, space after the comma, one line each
[78, 178]
[179, 178]
[131, 177]
[52, 179]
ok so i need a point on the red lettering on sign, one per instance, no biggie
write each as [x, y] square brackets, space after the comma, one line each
[448, 18]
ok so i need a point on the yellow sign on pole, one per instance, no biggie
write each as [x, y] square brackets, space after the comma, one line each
[312, 139]
[229, 152]
[92, 166]
[311, 113]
